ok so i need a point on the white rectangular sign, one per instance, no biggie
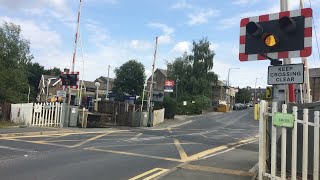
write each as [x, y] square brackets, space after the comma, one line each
[286, 74]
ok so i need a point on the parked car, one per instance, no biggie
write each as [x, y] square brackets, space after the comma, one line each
[237, 106]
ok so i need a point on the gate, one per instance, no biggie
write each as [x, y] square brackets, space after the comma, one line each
[264, 114]
[47, 114]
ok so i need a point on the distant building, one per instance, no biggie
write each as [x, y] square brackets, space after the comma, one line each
[261, 92]
[104, 80]
[314, 78]
[159, 78]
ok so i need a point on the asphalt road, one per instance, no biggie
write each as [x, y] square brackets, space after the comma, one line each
[112, 154]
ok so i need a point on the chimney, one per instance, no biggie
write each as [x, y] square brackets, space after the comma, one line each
[66, 70]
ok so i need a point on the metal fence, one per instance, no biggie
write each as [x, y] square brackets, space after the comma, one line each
[263, 144]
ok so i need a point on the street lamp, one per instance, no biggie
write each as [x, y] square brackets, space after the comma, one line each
[97, 84]
[228, 84]
[48, 84]
[255, 91]
[28, 93]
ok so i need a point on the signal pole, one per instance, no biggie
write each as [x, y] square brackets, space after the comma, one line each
[306, 85]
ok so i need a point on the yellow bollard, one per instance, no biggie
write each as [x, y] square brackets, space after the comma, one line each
[256, 111]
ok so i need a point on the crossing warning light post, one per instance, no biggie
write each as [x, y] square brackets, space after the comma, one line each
[282, 35]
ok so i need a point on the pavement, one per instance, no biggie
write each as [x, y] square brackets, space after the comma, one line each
[210, 146]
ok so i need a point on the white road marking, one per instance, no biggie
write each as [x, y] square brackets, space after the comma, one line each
[16, 149]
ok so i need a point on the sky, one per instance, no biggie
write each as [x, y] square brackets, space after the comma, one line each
[115, 31]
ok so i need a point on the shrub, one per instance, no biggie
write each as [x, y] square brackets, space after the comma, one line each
[170, 106]
[200, 103]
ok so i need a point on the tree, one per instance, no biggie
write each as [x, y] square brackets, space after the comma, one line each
[129, 79]
[34, 73]
[243, 96]
[14, 56]
[193, 72]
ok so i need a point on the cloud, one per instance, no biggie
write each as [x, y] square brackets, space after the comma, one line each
[202, 16]
[244, 2]
[138, 44]
[97, 34]
[214, 46]
[40, 36]
[182, 5]
[166, 37]
[181, 47]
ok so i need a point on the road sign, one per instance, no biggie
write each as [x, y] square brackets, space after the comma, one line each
[280, 35]
[61, 93]
[283, 119]
[168, 86]
[286, 74]
[158, 96]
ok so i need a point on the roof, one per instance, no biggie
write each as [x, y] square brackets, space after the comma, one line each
[90, 84]
[314, 72]
[103, 79]
[52, 81]
[163, 71]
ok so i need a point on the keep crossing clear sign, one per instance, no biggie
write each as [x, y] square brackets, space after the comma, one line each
[286, 74]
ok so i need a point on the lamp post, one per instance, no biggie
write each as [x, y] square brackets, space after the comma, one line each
[228, 86]
[48, 84]
[28, 93]
[97, 84]
[108, 82]
[255, 91]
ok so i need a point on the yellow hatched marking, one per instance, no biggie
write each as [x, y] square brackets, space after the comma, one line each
[170, 130]
[136, 136]
[135, 154]
[217, 170]
[182, 153]
[91, 139]
[161, 171]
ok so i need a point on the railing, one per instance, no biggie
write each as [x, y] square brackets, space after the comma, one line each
[263, 144]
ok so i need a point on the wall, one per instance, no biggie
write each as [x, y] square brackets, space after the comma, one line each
[21, 113]
[158, 117]
[315, 88]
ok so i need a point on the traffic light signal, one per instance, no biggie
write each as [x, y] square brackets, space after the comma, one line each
[275, 36]
[268, 92]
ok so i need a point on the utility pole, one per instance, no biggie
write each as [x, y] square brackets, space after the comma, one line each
[108, 82]
[306, 85]
[149, 105]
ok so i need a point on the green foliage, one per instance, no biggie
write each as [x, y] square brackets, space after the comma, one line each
[170, 106]
[192, 73]
[195, 106]
[129, 79]
[16, 69]
[34, 72]
[243, 96]
[14, 56]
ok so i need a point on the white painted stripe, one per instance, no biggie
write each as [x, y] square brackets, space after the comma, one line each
[242, 48]
[308, 42]
[242, 31]
[16, 149]
[308, 22]
[293, 54]
[254, 19]
[295, 13]
[177, 125]
[273, 55]
[274, 16]
[252, 57]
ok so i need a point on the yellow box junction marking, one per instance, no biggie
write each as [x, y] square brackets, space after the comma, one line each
[158, 171]
[91, 139]
[217, 170]
[182, 153]
[136, 136]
